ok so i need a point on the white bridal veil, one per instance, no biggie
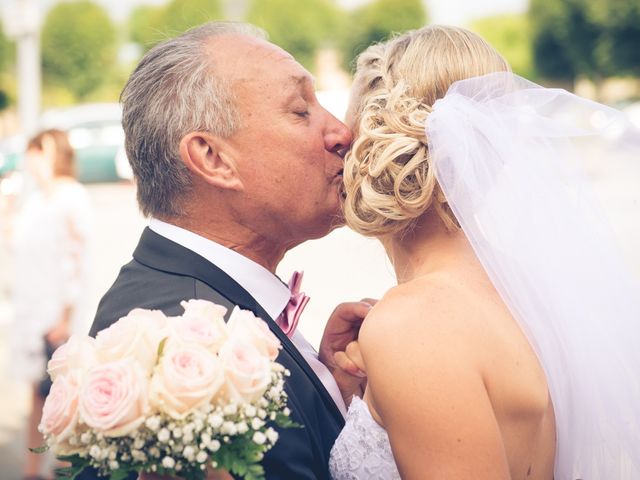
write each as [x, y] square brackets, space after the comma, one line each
[509, 157]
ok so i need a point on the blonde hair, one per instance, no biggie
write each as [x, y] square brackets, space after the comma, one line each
[389, 177]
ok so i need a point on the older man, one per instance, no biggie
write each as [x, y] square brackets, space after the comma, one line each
[236, 163]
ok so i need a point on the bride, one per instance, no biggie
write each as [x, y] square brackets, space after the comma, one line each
[508, 347]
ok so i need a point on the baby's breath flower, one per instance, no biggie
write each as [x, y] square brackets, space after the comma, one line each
[259, 438]
[114, 465]
[272, 435]
[153, 423]
[229, 428]
[214, 445]
[242, 427]
[198, 424]
[177, 433]
[201, 457]
[95, 451]
[262, 413]
[230, 409]
[215, 420]
[168, 462]
[257, 424]
[189, 453]
[164, 435]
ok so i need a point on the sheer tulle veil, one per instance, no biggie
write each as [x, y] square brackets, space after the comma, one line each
[509, 157]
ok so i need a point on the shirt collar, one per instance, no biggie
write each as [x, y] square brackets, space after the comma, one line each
[264, 286]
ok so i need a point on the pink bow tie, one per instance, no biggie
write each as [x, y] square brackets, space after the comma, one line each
[288, 319]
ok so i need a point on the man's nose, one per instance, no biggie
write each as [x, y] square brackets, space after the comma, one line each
[338, 137]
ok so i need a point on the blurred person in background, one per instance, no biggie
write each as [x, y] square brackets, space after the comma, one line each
[50, 242]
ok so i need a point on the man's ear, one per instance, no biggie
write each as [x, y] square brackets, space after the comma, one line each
[206, 156]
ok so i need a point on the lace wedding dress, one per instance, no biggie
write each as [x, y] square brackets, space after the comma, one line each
[362, 451]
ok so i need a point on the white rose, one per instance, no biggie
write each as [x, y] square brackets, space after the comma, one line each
[203, 323]
[78, 353]
[113, 399]
[187, 377]
[247, 371]
[137, 335]
[60, 411]
[244, 326]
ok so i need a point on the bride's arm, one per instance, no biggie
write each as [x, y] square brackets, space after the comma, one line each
[426, 389]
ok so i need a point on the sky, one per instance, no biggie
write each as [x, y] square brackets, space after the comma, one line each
[454, 12]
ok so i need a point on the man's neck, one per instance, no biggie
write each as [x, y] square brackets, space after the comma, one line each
[235, 237]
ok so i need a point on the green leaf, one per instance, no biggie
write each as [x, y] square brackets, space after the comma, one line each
[120, 474]
[161, 347]
[68, 473]
[41, 449]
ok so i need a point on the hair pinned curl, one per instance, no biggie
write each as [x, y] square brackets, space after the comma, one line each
[389, 176]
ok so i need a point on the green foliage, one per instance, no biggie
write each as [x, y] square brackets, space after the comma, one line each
[511, 36]
[7, 49]
[618, 49]
[298, 27]
[375, 21]
[593, 38]
[78, 46]
[146, 26]
[150, 25]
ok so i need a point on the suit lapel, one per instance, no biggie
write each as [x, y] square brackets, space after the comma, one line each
[160, 253]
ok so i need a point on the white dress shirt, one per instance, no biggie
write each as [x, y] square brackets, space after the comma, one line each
[262, 285]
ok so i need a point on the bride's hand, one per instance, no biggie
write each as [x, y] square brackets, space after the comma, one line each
[339, 350]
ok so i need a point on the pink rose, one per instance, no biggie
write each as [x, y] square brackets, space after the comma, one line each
[60, 411]
[245, 327]
[78, 353]
[247, 371]
[137, 335]
[186, 377]
[202, 308]
[113, 399]
[202, 323]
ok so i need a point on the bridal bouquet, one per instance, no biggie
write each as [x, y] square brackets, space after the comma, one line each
[170, 395]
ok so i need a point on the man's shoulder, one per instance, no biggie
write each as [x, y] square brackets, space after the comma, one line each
[140, 286]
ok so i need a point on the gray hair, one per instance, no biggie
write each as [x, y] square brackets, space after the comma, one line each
[174, 91]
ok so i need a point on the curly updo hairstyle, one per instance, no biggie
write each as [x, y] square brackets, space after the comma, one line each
[389, 177]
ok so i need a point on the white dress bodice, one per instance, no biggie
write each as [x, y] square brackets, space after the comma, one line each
[362, 450]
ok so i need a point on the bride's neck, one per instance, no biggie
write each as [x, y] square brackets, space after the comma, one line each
[426, 248]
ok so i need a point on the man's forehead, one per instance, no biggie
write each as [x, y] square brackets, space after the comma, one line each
[301, 80]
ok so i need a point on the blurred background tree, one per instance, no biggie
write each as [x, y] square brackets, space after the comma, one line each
[618, 48]
[301, 28]
[78, 47]
[586, 38]
[149, 25]
[511, 36]
[375, 21]
[7, 55]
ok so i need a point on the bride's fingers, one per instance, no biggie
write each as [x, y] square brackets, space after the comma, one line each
[344, 362]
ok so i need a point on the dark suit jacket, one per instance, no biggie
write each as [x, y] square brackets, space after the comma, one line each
[161, 274]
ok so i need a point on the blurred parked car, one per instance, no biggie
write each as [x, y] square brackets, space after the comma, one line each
[95, 133]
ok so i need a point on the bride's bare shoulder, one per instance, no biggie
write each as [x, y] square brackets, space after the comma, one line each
[429, 303]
